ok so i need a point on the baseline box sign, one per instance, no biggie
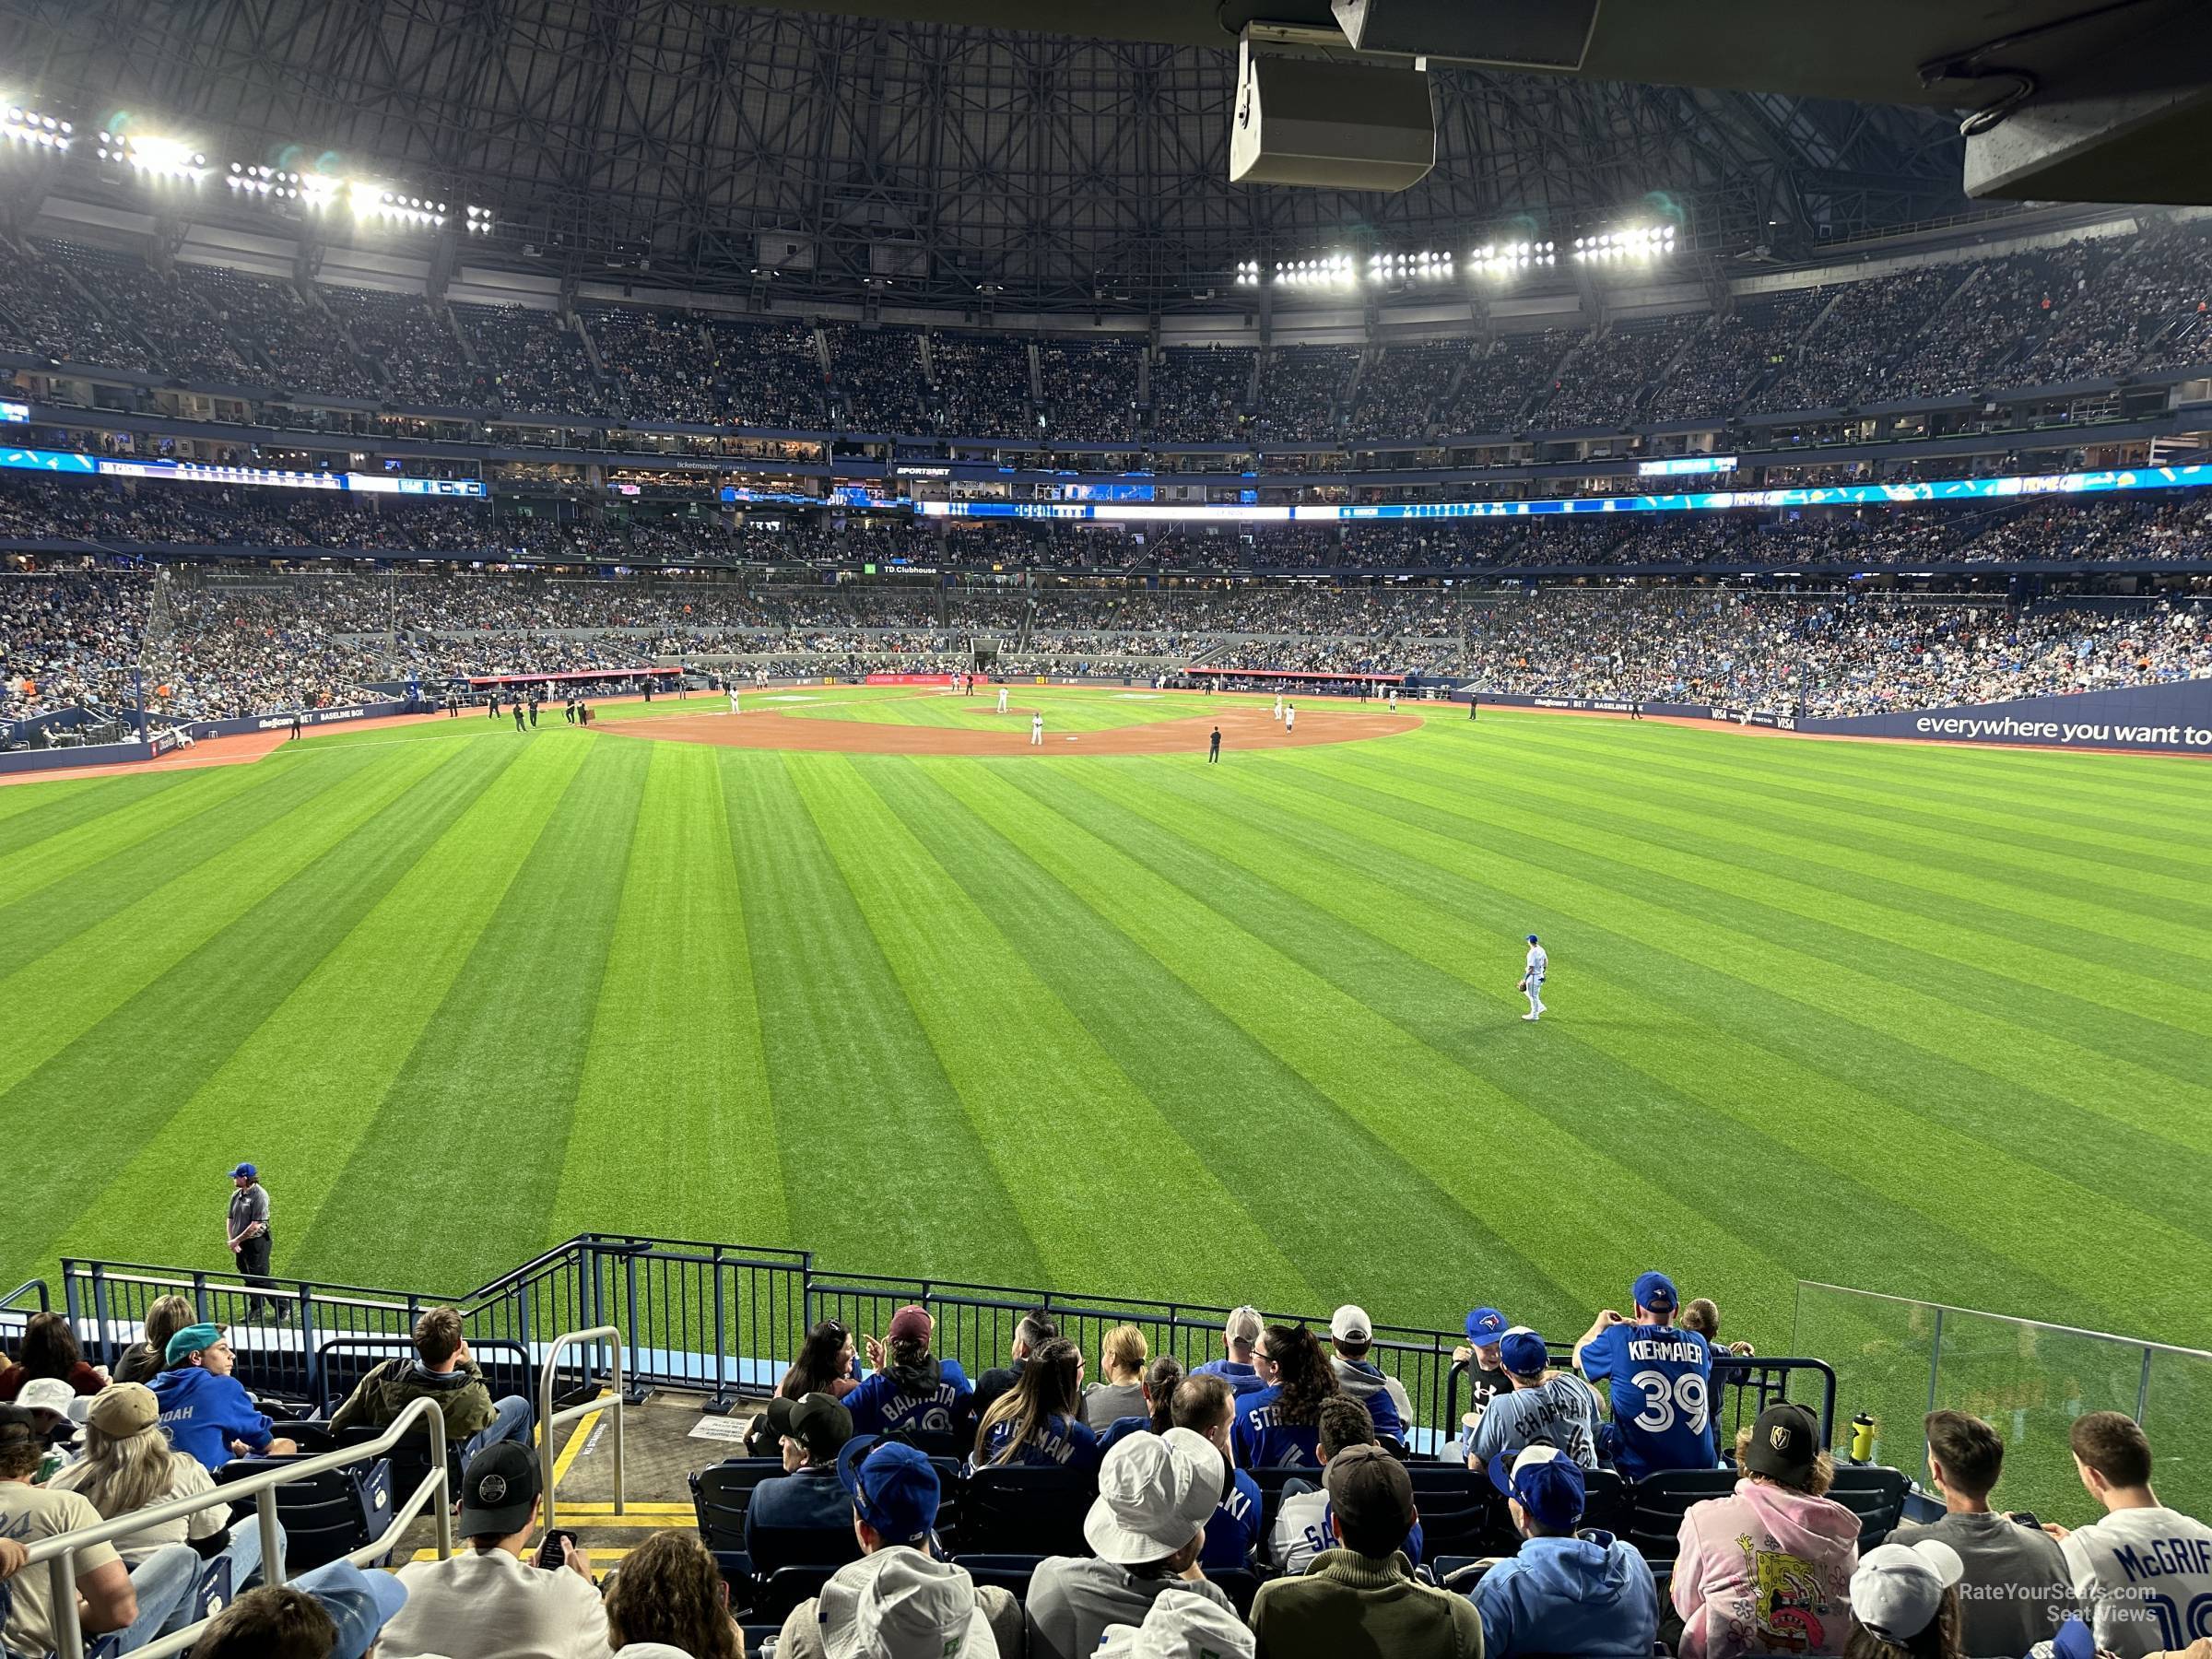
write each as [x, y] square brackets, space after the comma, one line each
[918, 679]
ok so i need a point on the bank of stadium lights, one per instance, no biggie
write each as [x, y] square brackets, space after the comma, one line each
[34, 131]
[1636, 241]
[1333, 270]
[1500, 258]
[479, 222]
[1409, 268]
[155, 157]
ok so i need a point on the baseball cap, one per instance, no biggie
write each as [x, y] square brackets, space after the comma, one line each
[894, 1487]
[1655, 1291]
[1898, 1589]
[498, 1489]
[1350, 1324]
[1155, 1492]
[1485, 1326]
[46, 1393]
[2074, 1639]
[190, 1340]
[910, 1323]
[1784, 1442]
[124, 1409]
[900, 1603]
[245, 1169]
[1546, 1483]
[1522, 1352]
[359, 1602]
[16, 1424]
[1532, 938]
[818, 1421]
[1182, 1625]
[1370, 1490]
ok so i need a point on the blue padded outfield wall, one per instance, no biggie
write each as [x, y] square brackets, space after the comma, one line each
[2174, 718]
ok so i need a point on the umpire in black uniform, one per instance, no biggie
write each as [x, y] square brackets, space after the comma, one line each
[250, 1241]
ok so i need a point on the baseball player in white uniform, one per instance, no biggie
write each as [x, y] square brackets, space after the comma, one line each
[1393, 700]
[1036, 730]
[733, 696]
[1289, 717]
[1002, 700]
[1532, 978]
[1278, 707]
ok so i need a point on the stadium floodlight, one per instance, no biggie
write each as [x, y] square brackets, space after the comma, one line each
[1632, 241]
[33, 130]
[480, 222]
[154, 156]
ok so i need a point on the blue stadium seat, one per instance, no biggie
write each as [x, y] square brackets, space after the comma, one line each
[1658, 1502]
[326, 1516]
[785, 1590]
[1026, 1511]
[775, 1547]
[1875, 1495]
[1605, 1504]
[1240, 1584]
[1009, 1572]
[720, 1493]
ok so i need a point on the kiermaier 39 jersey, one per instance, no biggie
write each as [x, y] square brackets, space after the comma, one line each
[1660, 1381]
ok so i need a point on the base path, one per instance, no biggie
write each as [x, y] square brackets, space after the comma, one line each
[1242, 730]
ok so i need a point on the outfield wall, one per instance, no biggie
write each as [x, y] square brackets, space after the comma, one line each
[2174, 718]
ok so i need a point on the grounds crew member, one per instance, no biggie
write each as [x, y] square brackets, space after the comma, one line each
[250, 1240]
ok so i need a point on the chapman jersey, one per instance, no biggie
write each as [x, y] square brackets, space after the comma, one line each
[1661, 1385]
[1066, 1442]
[1263, 1442]
[1561, 1412]
[1537, 963]
[2144, 1577]
[879, 1406]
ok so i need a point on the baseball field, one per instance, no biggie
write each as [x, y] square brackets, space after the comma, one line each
[1932, 1022]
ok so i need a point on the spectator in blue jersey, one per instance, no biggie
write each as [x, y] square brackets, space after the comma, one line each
[1156, 1385]
[1280, 1426]
[1585, 1594]
[1301, 1520]
[1660, 1379]
[1036, 1424]
[1239, 1334]
[206, 1411]
[1206, 1406]
[909, 1387]
[807, 1497]
[1352, 1334]
[1545, 1409]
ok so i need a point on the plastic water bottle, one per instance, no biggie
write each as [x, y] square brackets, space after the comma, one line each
[1862, 1438]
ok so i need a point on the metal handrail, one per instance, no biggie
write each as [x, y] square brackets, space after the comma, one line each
[25, 1289]
[60, 1553]
[548, 1419]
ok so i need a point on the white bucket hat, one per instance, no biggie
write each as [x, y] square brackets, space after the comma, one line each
[1156, 1492]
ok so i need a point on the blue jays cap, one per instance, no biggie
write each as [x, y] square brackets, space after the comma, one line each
[1524, 1353]
[245, 1169]
[1532, 938]
[1656, 1292]
[360, 1603]
[1546, 1483]
[893, 1485]
[1485, 1326]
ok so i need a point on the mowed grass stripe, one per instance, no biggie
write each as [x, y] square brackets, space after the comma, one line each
[476, 1120]
[1718, 931]
[1293, 982]
[29, 869]
[80, 982]
[1907, 948]
[116, 1086]
[1651, 1010]
[672, 1128]
[1863, 889]
[1029, 1073]
[341, 1034]
[31, 813]
[1228, 1097]
[133, 865]
[850, 1071]
[1984, 846]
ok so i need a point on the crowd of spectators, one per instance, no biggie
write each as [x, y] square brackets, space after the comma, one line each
[530, 361]
[1301, 389]
[1089, 388]
[877, 378]
[769, 374]
[1611, 374]
[1735, 352]
[412, 342]
[1499, 382]
[1198, 394]
[1401, 387]
[985, 381]
[659, 363]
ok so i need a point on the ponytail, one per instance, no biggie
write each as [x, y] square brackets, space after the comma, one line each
[1164, 1377]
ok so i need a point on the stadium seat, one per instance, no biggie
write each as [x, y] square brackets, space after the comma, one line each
[1658, 1502]
[1020, 1511]
[1605, 1504]
[1875, 1495]
[785, 1590]
[720, 1493]
[1009, 1572]
[775, 1547]
[1240, 1584]
[325, 1516]
[1474, 1528]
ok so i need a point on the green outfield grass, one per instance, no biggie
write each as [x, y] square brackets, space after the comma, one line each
[1937, 1023]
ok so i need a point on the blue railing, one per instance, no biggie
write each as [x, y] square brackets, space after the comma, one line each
[724, 1321]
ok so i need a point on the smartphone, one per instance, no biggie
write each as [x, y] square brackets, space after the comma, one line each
[550, 1552]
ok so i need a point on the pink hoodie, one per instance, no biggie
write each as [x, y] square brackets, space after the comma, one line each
[1765, 1572]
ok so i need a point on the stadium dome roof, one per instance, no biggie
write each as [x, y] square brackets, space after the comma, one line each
[808, 157]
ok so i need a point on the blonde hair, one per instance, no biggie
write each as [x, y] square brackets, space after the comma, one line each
[1124, 1349]
[117, 1476]
[1817, 1479]
[1703, 1316]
